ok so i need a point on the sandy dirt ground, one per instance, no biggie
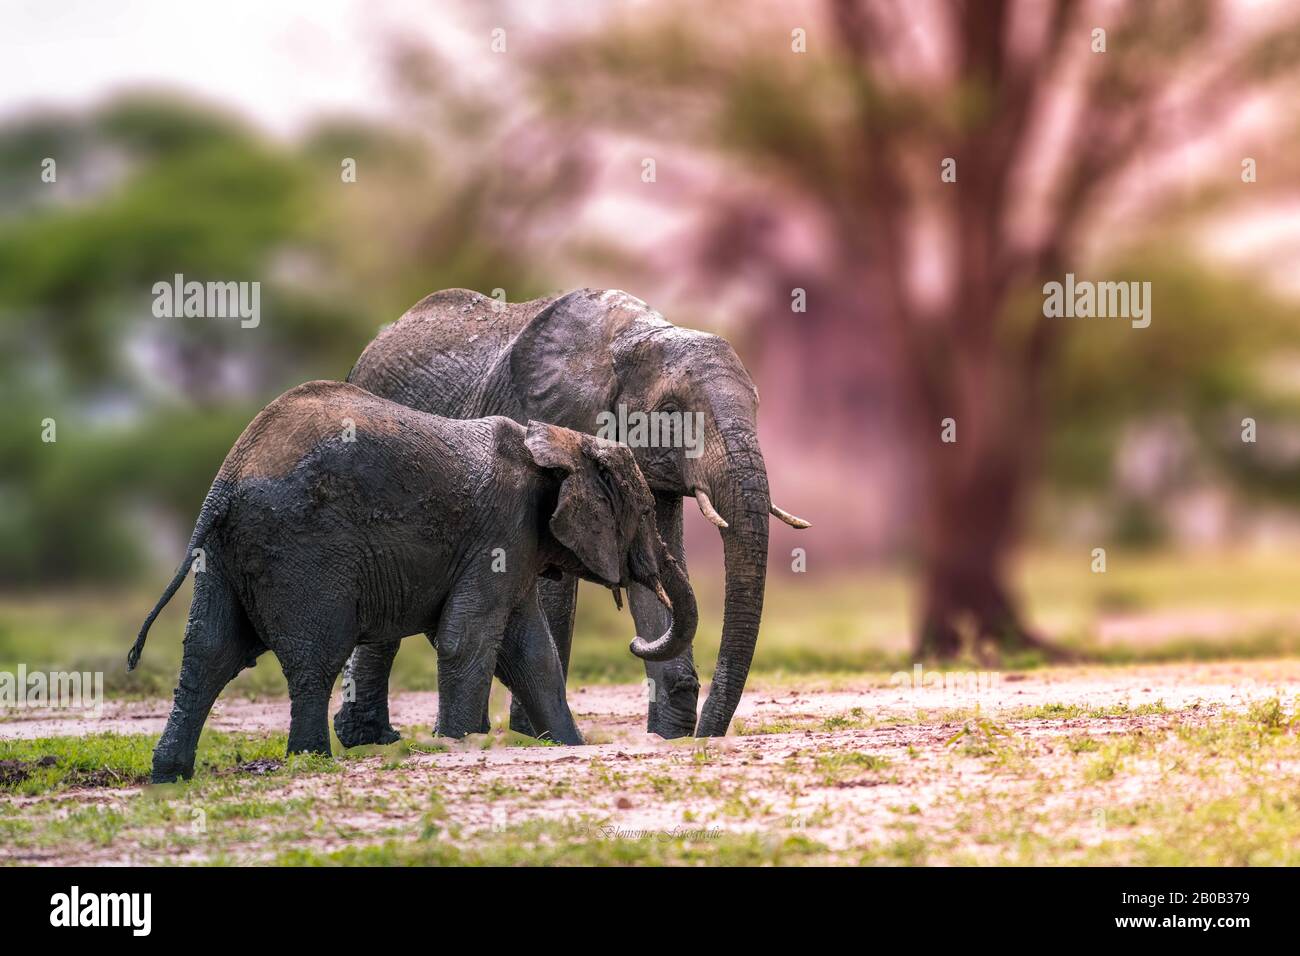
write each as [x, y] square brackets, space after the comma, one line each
[618, 711]
[864, 768]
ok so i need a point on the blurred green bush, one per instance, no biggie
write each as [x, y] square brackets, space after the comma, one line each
[148, 186]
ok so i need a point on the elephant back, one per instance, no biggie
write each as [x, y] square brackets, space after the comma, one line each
[438, 356]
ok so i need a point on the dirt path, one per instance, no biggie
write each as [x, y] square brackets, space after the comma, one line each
[1067, 761]
[618, 711]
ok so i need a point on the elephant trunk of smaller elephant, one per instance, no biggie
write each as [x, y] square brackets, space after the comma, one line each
[674, 590]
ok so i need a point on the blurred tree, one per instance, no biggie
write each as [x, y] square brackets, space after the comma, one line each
[1215, 363]
[824, 170]
[151, 185]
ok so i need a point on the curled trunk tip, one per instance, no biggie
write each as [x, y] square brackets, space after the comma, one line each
[674, 591]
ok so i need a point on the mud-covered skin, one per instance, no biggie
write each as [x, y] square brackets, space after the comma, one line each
[340, 519]
[565, 360]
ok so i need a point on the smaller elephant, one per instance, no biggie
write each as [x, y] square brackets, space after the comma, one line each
[340, 518]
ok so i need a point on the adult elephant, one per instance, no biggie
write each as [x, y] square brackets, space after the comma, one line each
[566, 360]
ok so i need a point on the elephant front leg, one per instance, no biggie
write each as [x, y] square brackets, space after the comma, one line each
[312, 650]
[469, 634]
[672, 687]
[363, 718]
[529, 664]
[558, 601]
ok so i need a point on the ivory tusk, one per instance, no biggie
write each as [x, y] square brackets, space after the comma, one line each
[618, 598]
[662, 595]
[707, 509]
[788, 518]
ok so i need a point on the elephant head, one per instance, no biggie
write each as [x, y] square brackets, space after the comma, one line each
[604, 531]
[595, 359]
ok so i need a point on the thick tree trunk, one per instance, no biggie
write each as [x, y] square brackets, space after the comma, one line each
[967, 605]
[973, 493]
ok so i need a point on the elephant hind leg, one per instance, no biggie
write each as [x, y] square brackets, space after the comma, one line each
[363, 718]
[309, 729]
[219, 642]
[312, 659]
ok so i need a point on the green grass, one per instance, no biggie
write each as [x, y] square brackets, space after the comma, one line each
[1218, 791]
[1059, 711]
[94, 632]
[52, 764]
[584, 842]
[1226, 793]
[836, 767]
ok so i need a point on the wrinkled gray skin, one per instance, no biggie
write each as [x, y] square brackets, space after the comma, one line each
[565, 360]
[315, 545]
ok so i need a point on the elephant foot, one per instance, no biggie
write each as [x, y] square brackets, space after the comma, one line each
[569, 735]
[169, 771]
[672, 727]
[356, 729]
[519, 721]
[672, 710]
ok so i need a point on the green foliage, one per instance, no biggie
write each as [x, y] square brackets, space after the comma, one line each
[152, 186]
[1205, 359]
[52, 764]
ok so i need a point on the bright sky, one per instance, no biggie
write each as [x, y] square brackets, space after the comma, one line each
[278, 62]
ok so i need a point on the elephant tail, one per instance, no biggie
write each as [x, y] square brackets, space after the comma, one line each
[214, 508]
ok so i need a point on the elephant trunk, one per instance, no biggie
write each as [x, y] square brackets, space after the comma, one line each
[738, 480]
[674, 591]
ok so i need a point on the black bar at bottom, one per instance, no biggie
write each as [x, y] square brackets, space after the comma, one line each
[224, 906]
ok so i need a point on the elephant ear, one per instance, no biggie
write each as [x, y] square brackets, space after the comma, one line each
[584, 520]
[561, 364]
